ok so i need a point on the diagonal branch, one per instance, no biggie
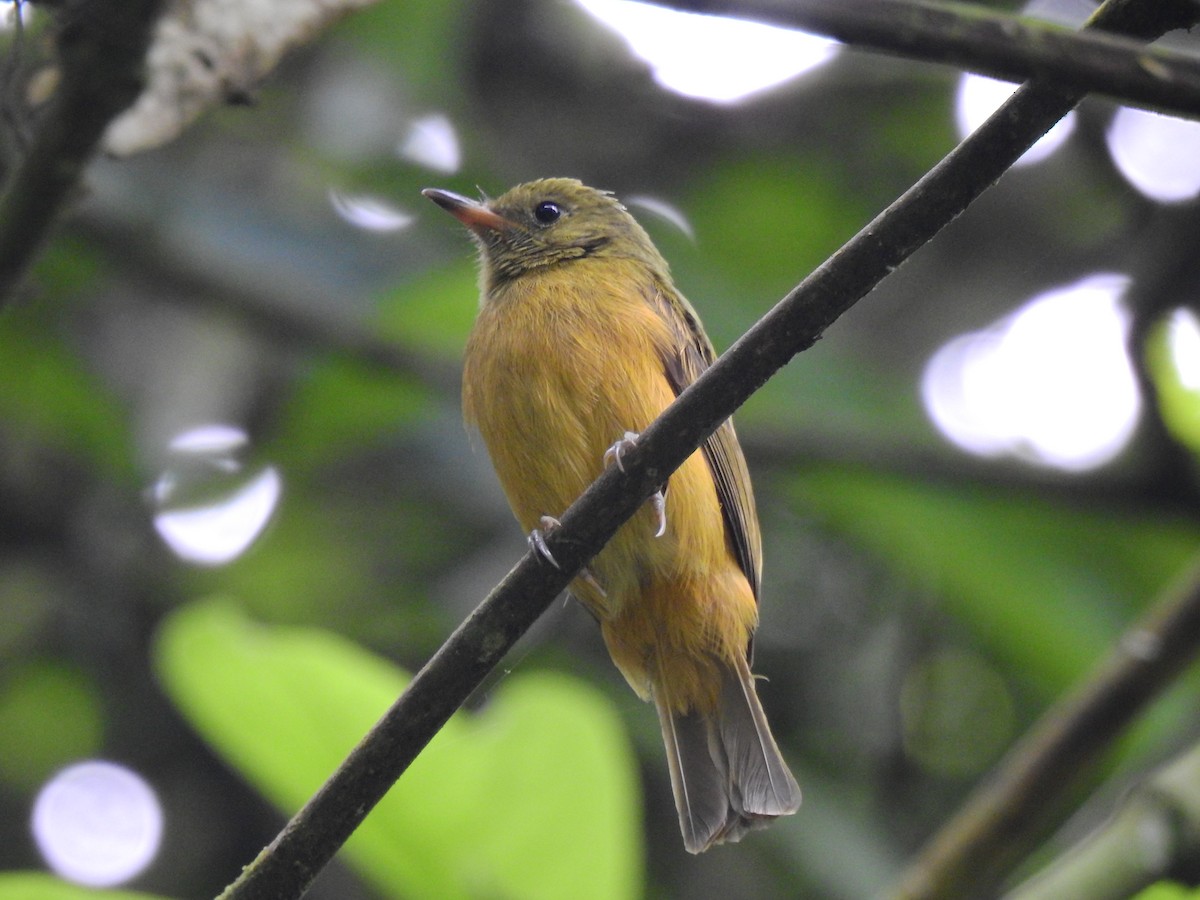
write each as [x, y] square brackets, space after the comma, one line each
[1014, 808]
[1154, 835]
[289, 864]
[979, 40]
[101, 49]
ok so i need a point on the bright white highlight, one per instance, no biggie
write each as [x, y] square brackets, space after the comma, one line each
[209, 439]
[1183, 338]
[711, 57]
[1050, 383]
[1158, 155]
[663, 210]
[369, 213]
[9, 17]
[97, 823]
[217, 534]
[979, 96]
[231, 509]
[432, 142]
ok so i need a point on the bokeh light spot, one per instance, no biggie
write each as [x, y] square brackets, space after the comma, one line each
[1183, 337]
[956, 712]
[1050, 383]
[431, 141]
[369, 213]
[211, 509]
[97, 823]
[712, 58]
[663, 210]
[979, 96]
[1158, 155]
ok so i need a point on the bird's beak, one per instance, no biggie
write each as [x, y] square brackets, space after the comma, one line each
[471, 213]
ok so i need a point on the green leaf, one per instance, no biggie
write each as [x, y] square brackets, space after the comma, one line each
[413, 36]
[515, 801]
[40, 886]
[50, 399]
[776, 221]
[1178, 400]
[436, 310]
[346, 404]
[50, 715]
[1166, 890]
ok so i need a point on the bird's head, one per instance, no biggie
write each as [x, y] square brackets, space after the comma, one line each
[546, 223]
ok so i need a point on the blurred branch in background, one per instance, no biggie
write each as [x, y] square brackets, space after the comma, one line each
[990, 43]
[316, 832]
[101, 49]
[1028, 793]
[207, 53]
[386, 531]
[283, 317]
[1153, 836]
[192, 280]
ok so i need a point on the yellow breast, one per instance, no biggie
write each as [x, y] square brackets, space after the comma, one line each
[560, 365]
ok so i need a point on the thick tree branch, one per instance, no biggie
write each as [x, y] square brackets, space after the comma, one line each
[313, 836]
[979, 40]
[101, 50]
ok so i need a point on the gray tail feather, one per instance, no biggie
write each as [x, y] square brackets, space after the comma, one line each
[727, 773]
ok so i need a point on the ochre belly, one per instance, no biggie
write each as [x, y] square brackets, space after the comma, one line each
[551, 385]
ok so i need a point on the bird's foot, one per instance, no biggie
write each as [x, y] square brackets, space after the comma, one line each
[613, 453]
[659, 500]
[537, 541]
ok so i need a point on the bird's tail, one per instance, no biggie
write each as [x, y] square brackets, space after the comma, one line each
[726, 770]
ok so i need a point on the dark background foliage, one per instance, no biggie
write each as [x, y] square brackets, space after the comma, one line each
[921, 606]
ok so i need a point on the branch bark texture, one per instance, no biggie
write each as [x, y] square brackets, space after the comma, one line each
[287, 867]
[976, 39]
[101, 53]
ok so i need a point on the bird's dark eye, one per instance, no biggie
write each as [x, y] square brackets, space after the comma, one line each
[547, 212]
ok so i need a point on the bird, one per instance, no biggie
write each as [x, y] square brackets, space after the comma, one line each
[580, 341]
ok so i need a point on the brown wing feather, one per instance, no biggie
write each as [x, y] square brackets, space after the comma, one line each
[693, 353]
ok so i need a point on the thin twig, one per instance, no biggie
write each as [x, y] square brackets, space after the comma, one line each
[992, 43]
[287, 867]
[101, 49]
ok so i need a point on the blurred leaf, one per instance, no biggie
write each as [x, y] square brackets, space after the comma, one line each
[344, 406]
[342, 559]
[435, 311]
[419, 37]
[68, 265]
[912, 130]
[776, 220]
[1178, 402]
[50, 399]
[1045, 586]
[49, 716]
[40, 886]
[518, 800]
[1165, 890]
